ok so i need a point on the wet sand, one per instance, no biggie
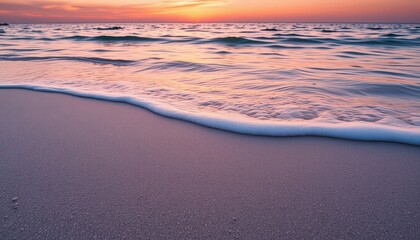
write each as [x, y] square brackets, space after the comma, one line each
[81, 168]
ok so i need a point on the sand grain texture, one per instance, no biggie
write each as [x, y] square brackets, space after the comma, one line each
[85, 169]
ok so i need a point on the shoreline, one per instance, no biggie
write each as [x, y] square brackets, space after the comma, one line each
[86, 168]
[347, 131]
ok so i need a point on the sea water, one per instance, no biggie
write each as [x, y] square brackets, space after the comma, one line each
[354, 81]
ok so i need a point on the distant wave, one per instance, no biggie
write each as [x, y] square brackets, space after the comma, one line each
[108, 28]
[270, 30]
[389, 39]
[375, 28]
[384, 42]
[115, 62]
[393, 35]
[284, 46]
[352, 131]
[223, 52]
[105, 38]
[381, 41]
[288, 35]
[182, 40]
[285, 40]
[389, 90]
[235, 41]
[184, 66]
[357, 53]
[302, 40]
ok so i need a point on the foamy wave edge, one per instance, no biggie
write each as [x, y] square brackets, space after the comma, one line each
[351, 131]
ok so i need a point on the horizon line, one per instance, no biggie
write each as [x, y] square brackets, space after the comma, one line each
[245, 22]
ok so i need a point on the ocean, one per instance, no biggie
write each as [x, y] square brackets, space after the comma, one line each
[352, 81]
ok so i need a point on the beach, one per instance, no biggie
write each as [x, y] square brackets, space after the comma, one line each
[79, 168]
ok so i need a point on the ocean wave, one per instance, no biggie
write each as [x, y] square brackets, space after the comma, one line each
[270, 30]
[383, 42]
[375, 28]
[223, 52]
[235, 41]
[329, 31]
[277, 46]
[388, 90]
[182, 40]
[357, 53]
[95, 60]
[304, 40]
[108, 28]
[393, 35]
[347, 130]
[105, 38]
[184, 66]
[389, 39]
[297, 75]
[24, 49]
[289, 35]
[22, 38]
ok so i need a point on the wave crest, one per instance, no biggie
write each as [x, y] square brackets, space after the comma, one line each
[235, 41]
[350, 130]
[95, 60]
[105, 38]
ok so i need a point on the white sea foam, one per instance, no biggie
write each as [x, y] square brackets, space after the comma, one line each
[351, 130]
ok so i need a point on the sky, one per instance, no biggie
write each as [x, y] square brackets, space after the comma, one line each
[58, 11]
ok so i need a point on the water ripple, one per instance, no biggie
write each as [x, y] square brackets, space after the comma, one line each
[358, 81]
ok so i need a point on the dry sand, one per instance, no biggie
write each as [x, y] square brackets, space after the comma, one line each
[84, 169]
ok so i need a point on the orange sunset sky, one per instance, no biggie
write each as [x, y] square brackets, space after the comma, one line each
[29, 11]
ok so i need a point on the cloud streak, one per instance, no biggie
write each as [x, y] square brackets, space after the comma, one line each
[57, 10]
[208, 10]
[192, 3]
